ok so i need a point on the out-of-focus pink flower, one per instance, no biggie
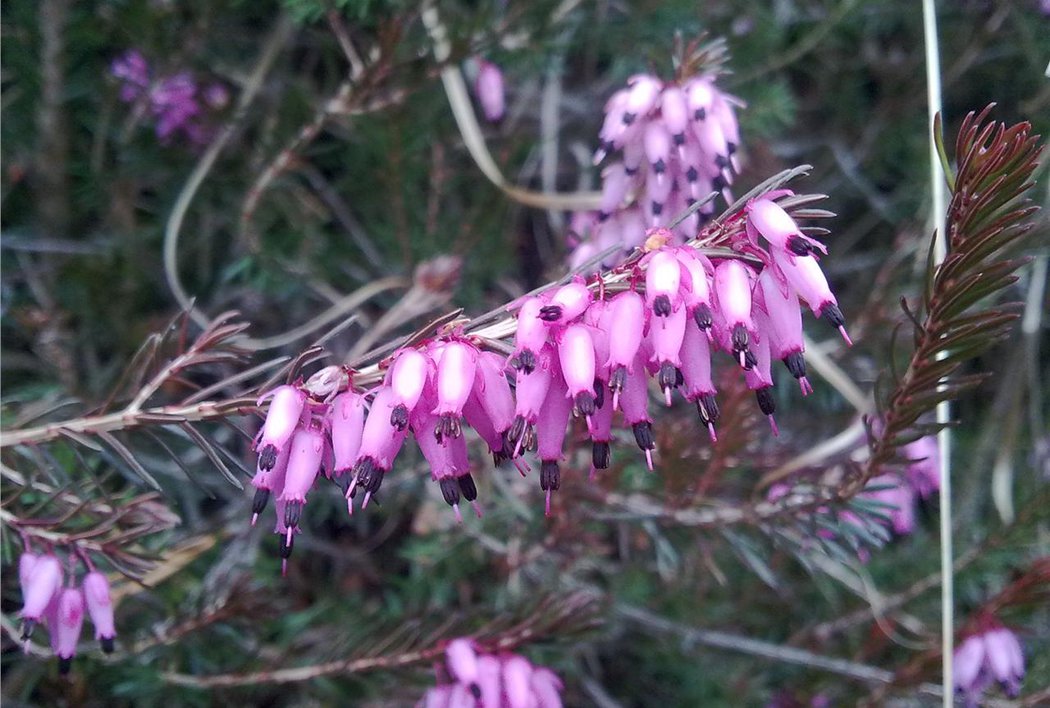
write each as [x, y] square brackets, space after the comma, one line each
[891, 490]
[100, 608]
[482, 680]
[132, 69]
[490, 91]
[43, 583]
[924, 466]
[65, 624]
[992, 654]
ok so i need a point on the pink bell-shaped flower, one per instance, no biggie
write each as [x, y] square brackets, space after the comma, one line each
[551, 426]
[759, 378]
[348, 424]
[455, 379]
[642, 94]
[42, 585]
[26, 562]
[530, 394]
[803, 273]
[665, 336]
[615, 185]
[627, 313]
[657, 144]
[462, 660]
[530, 335]
[663, 279]
[576, 355]
[733, 289]
[517, 682]
[100, 608]
[407, 377]
[380, 443]
[783, 325]
[635, 404]
[568, 302]
[304, 463]
[696, 376]
[65, 626]
[286, 408]
[768, 219]
[924, 466]
[697, 294]
[674, 109]
[269, 482]
[599, 426]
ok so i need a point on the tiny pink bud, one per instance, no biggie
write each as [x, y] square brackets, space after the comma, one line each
[568, 302]
[489, 88]
[100, 608]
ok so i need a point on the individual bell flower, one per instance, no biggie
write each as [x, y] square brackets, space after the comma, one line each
[642, 94]
[287, 404]
[635, 404]
[551, 426]
[26, 562]
[457, 363]
[657, 143]
[722, 109]
[699, 94]
[803, 273]
[380, 443]
[530, 394]
[665, 337]
[407, 377]
[65, 624]
[100, 608]
[304, 464]
[627, 313]
[567, 303]
[268, 482]
[767, 218]
[697, 293]
[495, 400]
[783, 325]
[733, 289]
[42, 585]
[530, 335]
[347, 421]
[696, 376]
[462, 660]
[613, 126]
[663, 279]
[674, 110]
[600, 322]
[576, 356]
[490, 91]
[992, 654]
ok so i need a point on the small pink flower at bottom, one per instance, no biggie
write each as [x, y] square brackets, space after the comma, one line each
[44, 582]
[992, 654]
[65, 624]
[100, 608]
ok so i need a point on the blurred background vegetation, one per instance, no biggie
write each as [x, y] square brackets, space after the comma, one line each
[381, 184]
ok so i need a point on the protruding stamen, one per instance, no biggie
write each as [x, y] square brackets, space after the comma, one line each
[585, 403]
[805, 386]
[459, 516]
[399, 417]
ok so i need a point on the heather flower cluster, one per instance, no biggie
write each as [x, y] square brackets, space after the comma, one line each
[675, 142]
[177, 104]
[584, 351]
[479, 680]
[993, 653]
[52, 597]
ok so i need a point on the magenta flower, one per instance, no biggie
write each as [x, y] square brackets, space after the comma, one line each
[347, 418]
[380, 443]
[696, 376]
[132, 69]
[307, 452]
[551, 425]
[455, 379]
[697, 293]
[992, 654]
[783, 325]
[490, 92]
[406, 378]
[287, 407]
[635, 404]
[733, 289]
[665, 337]
[42, 585]
[491, 405]
[576, 355]
[65, 622]
[891, 490]
[663, 279]
[530, 394]
[100, 608]
[627, 311]
[759, 379]
[530, 336]
[482, 680]
[173, 101]
[768, 219]
[567, 303]
[805, 276]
